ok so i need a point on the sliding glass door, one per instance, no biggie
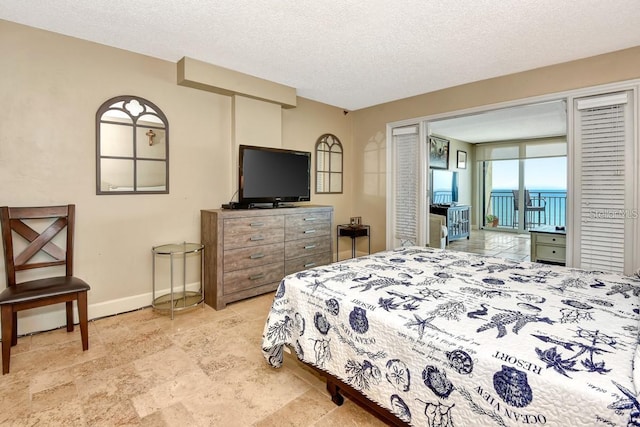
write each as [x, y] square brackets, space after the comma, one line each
[520, 194]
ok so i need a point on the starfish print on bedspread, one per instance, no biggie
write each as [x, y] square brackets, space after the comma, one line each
[421, 324]
[315, 285]
[519, 319]
[449, 311]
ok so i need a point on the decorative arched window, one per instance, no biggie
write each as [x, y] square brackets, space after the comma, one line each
[132, 147]
[329, 164]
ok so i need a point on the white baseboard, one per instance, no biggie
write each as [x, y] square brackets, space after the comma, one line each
[54, 316]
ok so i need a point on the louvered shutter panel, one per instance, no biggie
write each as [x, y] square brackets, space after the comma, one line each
[601, 138]
[406, 185]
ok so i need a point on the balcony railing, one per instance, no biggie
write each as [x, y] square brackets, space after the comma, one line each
[554, 203]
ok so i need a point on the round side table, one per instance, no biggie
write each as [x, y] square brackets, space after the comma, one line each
[178, 299]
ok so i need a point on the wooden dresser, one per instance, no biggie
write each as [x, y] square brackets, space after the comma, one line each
[248, 252]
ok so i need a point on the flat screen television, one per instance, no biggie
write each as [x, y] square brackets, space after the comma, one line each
[444, 187]
[273, 176]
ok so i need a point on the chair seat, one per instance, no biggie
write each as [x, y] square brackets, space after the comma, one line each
[42, 288]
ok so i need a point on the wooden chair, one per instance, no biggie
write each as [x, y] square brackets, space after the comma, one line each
[39, 292]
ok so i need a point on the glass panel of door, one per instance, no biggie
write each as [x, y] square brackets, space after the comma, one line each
[521, 194]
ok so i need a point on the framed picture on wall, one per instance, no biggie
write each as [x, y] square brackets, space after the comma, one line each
[462, 159]
[438, 153]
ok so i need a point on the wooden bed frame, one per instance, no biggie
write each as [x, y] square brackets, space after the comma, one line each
[335, 387]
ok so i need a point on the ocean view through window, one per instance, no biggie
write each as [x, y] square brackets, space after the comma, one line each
[543, 200]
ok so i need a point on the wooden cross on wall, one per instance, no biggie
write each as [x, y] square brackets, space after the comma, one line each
[150, 134]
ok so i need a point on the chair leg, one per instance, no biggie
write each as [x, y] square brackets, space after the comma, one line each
[69, 307]
[84, 322]
[7, 329]
[14, 328]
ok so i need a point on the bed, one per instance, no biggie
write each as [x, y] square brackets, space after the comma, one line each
[443, 338]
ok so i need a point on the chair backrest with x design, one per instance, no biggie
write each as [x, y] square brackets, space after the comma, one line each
[15, 219]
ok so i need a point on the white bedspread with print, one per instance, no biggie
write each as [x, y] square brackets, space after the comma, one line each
[443, 338]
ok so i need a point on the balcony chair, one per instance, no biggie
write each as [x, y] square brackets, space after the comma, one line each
[45, 291]
[539, 207]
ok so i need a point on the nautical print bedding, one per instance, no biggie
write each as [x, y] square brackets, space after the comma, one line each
[443, 338]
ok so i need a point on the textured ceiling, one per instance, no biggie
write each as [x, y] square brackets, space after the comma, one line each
[346, 53]
[541, 120]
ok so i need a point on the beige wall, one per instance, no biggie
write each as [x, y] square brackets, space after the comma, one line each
[51, 87]
[370, 123]
[301, 127]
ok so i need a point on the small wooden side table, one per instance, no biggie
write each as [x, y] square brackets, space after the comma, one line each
[346, 230]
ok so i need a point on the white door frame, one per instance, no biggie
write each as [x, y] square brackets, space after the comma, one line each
[569, 97]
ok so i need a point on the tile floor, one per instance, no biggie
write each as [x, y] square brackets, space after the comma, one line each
[204, 368]
[502, 244]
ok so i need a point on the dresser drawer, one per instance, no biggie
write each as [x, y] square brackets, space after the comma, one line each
[304, 247]
[550, 253]
[245, 232]
[248, 278]
[307, 225]
[236, 259]
[308, 261]
[552, 239]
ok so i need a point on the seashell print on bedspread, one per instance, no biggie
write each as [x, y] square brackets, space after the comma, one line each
[443, 338]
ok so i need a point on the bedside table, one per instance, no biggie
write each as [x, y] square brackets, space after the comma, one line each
[345, 230]
[548, 245]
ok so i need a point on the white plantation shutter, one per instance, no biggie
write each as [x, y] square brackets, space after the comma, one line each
[603, 137]
[406, 186]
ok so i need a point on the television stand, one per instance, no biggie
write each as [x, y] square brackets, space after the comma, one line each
[457, 220]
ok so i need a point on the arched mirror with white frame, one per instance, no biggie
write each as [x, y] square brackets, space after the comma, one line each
[329, 162]
[132, 147]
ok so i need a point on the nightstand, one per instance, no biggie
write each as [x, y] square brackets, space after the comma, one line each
[548, 245]
[354, 232]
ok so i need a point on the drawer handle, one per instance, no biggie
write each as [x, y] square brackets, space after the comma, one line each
[257, 224]
[309, 231]
[553, 252]
[310, 246]
[256, 256]
[256, 238]
[553, 239]
[311, 264]
[256, 276]
[311, 218]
